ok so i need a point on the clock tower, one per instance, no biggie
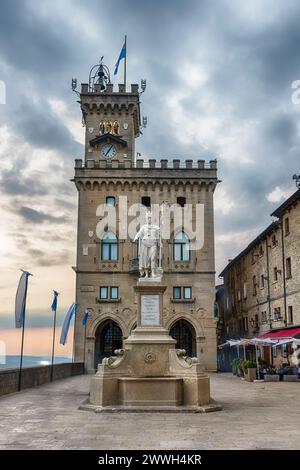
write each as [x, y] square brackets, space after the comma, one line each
[111, 118]
[107, 268]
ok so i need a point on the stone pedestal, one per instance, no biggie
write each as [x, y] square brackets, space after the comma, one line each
[150, 391]
[149, 372]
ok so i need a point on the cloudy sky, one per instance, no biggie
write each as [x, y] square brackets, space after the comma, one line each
[219, 76]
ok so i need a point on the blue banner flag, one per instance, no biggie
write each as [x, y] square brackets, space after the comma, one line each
[66, 325]
[121, 56]
[85, 317]
[20, 303]
[54, 302]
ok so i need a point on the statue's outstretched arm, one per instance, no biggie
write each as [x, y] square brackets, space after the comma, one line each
[138, 235]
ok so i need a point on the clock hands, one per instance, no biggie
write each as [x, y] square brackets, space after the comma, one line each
[108, 150]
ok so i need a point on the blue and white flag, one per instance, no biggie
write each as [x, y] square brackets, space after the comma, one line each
[85, 317]
[20, 303]
[54, 302]
[66, 325]
[121, 56]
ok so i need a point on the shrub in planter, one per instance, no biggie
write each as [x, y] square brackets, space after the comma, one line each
[271, 375]
[250, 370]
[290, 370]
[290, 378]
[243, 366]
[235, 364]
[247, 364]
[289, 374]
[262, 363]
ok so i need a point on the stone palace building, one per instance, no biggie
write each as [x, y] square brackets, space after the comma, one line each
[261, 290]
[107, 268]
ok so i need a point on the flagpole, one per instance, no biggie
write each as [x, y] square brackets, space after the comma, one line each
[73, 349]
[125, 60]
[84, 344]
[22, 341]
[160, 223]
[21, 357]
[53, 344]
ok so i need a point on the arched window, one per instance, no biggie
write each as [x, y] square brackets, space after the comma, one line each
[181, 247]
[185, 336]
[108, 338]
[111, 201]
[146, 201]
[109, 248]
[181, 201]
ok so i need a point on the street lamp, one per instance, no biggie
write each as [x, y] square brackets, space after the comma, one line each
[296, 177]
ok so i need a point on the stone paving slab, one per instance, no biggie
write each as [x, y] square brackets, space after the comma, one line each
[254, 416]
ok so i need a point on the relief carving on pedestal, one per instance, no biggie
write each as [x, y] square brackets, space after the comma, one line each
[149, 357]
[117, 358]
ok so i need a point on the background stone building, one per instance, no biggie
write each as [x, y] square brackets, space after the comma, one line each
[107, 268]
[262, 283]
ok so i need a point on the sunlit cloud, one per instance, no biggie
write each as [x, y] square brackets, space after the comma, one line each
[279, 194]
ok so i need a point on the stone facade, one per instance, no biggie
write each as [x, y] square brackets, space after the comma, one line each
[97, 178]
[262, 284]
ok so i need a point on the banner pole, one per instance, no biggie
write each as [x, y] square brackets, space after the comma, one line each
[125, 60]
[53, 346]
[22, 341]
[84, 345]
[21, 357]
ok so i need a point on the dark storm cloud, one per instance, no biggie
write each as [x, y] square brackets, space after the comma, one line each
[43, 129]
[249, 51]
[30, 39]
[40, 258]
[13, 182]
[282, 130]
[38, 51]
[38, 217]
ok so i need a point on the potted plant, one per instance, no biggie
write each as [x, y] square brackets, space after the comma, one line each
[235, 365]
[271, 375]
[289, 374]
[262, 363]
[240, 369]
[263, 366]
[249, 367]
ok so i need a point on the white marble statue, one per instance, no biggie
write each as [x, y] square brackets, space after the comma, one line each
[149, 244]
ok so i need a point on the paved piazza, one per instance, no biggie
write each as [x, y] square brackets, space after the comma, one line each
[254, 416]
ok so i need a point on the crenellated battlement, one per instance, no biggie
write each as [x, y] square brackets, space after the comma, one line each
[109, 90]
[152, 164]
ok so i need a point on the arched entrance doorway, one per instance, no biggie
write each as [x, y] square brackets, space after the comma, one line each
[108, 337]
[185, 336]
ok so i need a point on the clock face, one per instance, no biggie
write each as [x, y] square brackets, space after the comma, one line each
[109, 151]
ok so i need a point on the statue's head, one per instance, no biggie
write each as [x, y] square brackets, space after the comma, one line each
[149, 217]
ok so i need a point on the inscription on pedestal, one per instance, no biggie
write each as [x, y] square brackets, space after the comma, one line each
[150, 310]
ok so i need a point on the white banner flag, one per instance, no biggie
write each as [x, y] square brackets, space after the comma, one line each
[20, 303]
